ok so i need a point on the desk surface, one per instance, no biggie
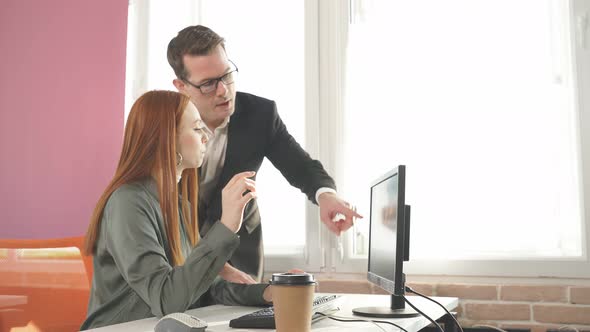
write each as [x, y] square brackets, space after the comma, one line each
[218, 316]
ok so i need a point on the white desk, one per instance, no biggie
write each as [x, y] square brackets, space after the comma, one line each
[218, 316]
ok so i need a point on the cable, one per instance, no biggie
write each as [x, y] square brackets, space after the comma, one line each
[566, 327]
[346, 319]
[379, 326]
[423, 314]
[410, 290]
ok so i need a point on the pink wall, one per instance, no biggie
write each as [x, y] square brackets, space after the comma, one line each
[62, 87]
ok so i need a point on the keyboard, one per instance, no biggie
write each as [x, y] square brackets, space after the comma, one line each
[265, 318]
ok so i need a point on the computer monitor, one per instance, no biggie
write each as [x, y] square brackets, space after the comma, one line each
[389, 242]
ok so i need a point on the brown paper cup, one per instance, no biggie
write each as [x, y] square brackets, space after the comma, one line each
[292, 296]
[293, 307]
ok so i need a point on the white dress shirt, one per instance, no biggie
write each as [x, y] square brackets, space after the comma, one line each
[214, 160]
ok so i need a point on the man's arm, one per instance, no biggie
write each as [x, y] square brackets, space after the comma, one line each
[296, 165]
[309, 175]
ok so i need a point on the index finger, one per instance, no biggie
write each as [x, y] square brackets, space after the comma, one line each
[238, 176]
[351, 212]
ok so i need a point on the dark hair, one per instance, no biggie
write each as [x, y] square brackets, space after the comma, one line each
[193, 40]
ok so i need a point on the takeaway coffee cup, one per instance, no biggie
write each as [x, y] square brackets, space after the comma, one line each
[292, 295]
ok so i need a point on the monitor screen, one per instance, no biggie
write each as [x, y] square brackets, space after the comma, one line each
[389, 238]
[387, 229]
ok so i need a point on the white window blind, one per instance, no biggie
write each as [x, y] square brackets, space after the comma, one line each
[477, 98]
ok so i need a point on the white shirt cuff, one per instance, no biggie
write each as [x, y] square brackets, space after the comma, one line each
[323, 190]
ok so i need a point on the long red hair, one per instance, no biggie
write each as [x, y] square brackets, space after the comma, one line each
[149, 149]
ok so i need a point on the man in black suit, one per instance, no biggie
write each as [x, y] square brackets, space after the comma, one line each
[243, 129]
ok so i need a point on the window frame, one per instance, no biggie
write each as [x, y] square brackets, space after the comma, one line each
[306, 258]
[346, 262]
[326, 27]
[312, 258]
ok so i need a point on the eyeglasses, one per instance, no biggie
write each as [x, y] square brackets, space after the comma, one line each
[211, 85]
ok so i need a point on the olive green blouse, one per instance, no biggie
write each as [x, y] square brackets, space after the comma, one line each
[133, 278]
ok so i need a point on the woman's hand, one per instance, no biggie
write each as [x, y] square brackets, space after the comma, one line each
[236, 276]
[234, 199]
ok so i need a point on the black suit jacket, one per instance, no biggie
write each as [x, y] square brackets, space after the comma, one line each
[256, 131]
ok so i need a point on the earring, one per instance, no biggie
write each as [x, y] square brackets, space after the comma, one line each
[178, 159]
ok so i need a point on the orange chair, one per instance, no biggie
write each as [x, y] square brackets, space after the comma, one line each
[44, 284]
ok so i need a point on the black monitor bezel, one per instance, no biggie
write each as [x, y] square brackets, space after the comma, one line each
[395, 286]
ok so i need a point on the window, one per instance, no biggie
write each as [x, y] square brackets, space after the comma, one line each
[478, 99]
[269, 51]
[482, 100]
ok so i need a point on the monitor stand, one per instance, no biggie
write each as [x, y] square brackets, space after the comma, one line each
[398, 310]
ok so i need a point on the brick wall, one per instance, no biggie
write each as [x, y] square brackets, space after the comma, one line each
[520, 304]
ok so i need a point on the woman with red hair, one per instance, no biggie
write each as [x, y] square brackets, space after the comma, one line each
[148, 257]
